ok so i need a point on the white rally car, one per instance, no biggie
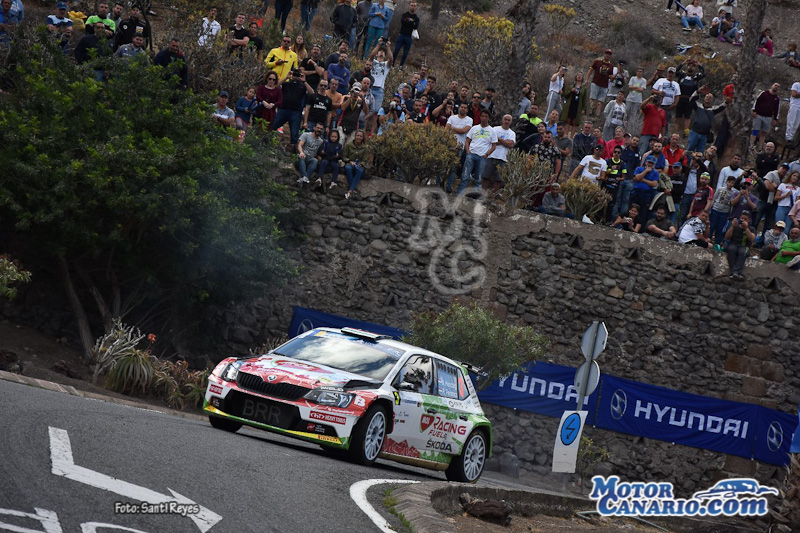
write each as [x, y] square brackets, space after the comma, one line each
[361, 392]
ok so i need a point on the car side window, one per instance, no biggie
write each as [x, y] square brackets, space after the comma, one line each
[416, 375]
[450, 381]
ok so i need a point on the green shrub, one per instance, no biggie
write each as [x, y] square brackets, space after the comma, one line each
[583, 197]
[131, 372]
[472, 334]
[524, 178]
[10, 275]
[417, 151]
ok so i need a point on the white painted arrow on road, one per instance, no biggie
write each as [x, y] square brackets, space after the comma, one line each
[63, 465]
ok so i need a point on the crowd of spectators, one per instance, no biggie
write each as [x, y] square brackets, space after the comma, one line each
[660, 178]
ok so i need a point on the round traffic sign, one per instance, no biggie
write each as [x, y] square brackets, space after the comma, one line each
[570, 429]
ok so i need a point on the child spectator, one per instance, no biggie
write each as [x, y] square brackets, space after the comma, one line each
[329, 156]
[765, 43]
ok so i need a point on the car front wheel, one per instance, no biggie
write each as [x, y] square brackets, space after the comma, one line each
[368, 436]
[468, 466]
[225, 424]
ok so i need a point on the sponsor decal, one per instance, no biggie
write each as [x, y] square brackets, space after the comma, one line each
[215, 402]
[729, 497]
[315, 428]
[439, 445]
[359, 401]
[410, 402]
[397, 398]
[440, 427]
[328, 438]
[215, 389]
[327, 417]
[425, 422]
[399, 448]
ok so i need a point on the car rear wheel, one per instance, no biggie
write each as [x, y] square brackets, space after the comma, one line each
[225, 424]
[368, 436]
[468, 466]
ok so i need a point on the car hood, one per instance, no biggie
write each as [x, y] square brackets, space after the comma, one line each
[281, 369]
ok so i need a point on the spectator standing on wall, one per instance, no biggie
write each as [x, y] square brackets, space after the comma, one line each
[481, 141]
[739, 238]
[409, 25]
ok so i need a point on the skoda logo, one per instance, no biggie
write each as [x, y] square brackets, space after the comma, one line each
[774, 436]
[619, 403]
[304, 326]
[272, 377]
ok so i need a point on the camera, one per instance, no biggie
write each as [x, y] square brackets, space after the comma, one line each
[394, 106]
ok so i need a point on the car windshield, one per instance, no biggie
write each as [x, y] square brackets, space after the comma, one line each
[342, 352]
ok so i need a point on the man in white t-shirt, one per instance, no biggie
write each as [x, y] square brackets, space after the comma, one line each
[210, 28]
[497, 160]
[382, 60]
[636, 87]
[793, 118]
[592, 167]
[481, 142]
[460, 125]
[731, 170]
[669, 90]
[554, 93]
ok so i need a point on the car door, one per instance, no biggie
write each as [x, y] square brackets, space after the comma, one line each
[452, 424]
[412, 387]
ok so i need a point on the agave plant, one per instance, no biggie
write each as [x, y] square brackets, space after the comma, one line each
[787, 510]
[131, 372]
[120, 342]
[524, 178]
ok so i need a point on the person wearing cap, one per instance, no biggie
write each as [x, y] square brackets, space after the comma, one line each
[740, 238]
[645, 185]
[720, 211]
[553, 203]
[555, 90]
[222, 113]
[669, 90]
[773, 239]
[481, 142]
[282, 60]
[703, 196]
[599, 73]
[60, 25]
[689, 75]
[352, 105]
[592, 167]
[130, 27]
[102, 15]
[134, 49]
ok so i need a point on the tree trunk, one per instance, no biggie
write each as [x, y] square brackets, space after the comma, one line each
[436, 8]
[523, 14]
[105, 312]
[739, 114]
[87, 340]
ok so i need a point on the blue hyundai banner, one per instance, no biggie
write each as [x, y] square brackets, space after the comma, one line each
[544, 388]
[304, 319]
[657, 413]
[773, 435]
[796, 439]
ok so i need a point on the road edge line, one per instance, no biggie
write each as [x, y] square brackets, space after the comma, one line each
[358, 493]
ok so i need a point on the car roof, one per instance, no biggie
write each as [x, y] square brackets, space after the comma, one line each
[399, 345]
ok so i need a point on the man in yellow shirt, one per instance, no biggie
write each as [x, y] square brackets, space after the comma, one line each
[282, 60]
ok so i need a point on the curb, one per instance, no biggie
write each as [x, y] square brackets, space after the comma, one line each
[72, 391]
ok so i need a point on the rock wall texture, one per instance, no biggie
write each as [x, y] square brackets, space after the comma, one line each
[674, 317]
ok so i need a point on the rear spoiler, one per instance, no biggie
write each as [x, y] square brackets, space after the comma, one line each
[365, 335]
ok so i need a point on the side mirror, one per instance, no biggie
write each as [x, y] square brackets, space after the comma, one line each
[405, 385]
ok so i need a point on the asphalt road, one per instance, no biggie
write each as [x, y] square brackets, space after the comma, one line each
[255, 481]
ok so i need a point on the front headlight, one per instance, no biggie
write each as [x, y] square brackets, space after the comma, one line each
[331, 398]
[230, 373]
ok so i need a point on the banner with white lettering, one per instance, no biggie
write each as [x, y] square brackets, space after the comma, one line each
[544, 388]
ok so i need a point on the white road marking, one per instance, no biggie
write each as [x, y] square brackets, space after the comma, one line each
[48, 519]
[63, 465]
[358, 492]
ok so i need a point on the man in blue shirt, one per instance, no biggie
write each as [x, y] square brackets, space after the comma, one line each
[645, 182]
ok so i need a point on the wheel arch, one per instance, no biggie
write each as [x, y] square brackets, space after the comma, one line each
[389, 408]
[486, 429]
